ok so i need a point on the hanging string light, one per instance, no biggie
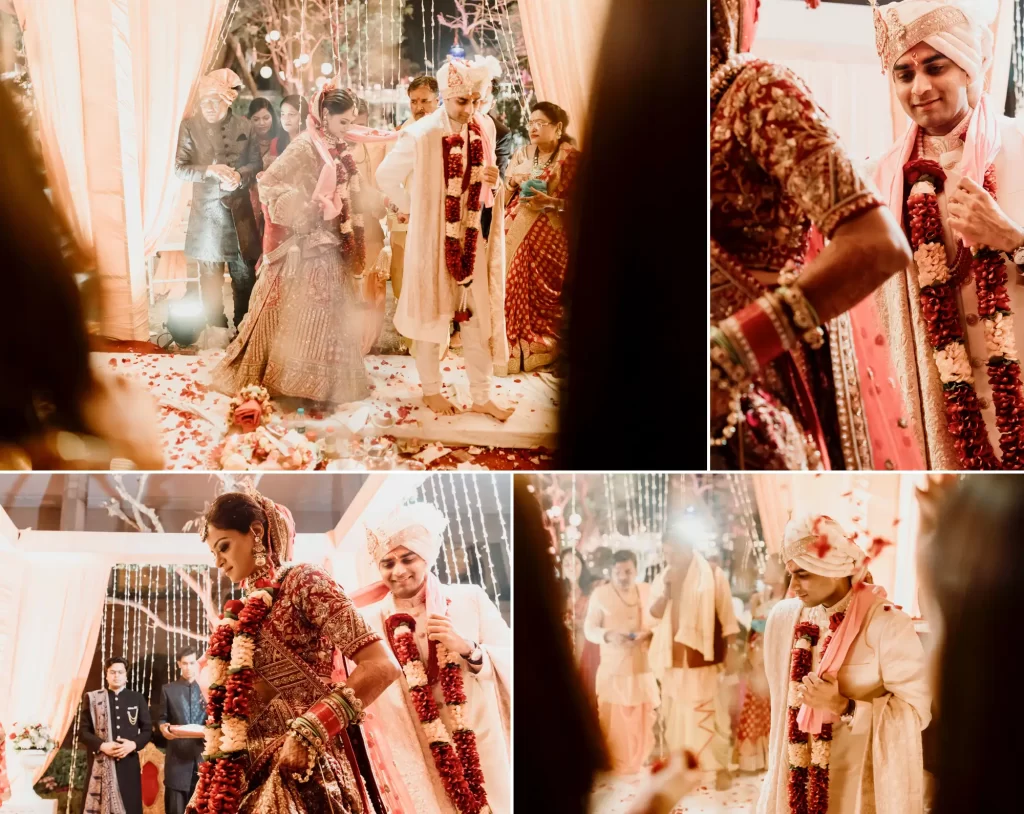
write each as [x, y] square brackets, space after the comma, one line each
[506, 41]
[103, 639]
[483, 531]
[449, 566]
[458, 518]
[152, 597]
[440, 501]
[433, 36]
[348, 51]
[423, 25]
[501, 516]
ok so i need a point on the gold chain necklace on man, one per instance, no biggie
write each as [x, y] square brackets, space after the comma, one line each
[623, 601]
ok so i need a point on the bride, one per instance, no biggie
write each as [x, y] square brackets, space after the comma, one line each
[276, 733]
[302, 335]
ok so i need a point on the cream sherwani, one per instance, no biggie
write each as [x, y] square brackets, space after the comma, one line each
[627, 692]
[487, 706]
[412, 177]
[696, 717]
[884, 673]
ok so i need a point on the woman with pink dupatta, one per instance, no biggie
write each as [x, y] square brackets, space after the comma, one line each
[799, 380]
[304, 331]
[848, 681]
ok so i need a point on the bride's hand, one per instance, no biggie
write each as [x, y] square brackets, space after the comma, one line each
[294, 754]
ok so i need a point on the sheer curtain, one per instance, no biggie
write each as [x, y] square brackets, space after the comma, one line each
[172, 43]
[561, 41]
[113, 79]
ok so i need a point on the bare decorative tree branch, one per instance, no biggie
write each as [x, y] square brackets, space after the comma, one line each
[138, 508]
[155, 621]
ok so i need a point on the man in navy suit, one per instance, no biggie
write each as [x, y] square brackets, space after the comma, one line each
[182, 704]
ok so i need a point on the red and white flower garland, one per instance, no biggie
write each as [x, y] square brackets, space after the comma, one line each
[351, 224]
[460, 254]
[232, 677]
[942, 321]
[808, 754]
[460, 770]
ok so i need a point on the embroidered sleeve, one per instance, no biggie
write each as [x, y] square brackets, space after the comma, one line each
[790, 137]
[287, 188]
[325, 605]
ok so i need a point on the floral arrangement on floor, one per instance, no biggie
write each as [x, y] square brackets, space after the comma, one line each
[33, 737]
[250, 409]
[269, 450]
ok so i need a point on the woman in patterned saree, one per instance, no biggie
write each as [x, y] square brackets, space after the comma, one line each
[277, 727]
[302, 335]
[539, 180]
[799, 380]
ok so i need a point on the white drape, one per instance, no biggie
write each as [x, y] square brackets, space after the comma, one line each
[171, 45]
[562, 39]
[52, 589]
[113, 78]
[51, 41]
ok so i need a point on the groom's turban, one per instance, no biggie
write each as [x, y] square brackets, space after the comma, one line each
[958, 29]
[817, 544]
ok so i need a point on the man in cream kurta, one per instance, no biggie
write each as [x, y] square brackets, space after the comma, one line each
[936, 54]
[696, 625]
[627, 692]
[878, 699]
[413, 178]
[404, 547]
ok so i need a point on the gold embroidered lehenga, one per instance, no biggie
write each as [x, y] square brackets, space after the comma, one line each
[310, 619]
[302, 334]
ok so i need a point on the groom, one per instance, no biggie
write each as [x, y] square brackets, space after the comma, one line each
[442, 171]
[846, 674]
[937, 55]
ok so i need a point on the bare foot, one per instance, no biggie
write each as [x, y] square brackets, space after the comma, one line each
[723, 780]
[493, 410]
[440, 405]
[456, 341]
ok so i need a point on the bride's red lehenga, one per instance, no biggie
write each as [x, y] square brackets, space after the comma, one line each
[294, 658]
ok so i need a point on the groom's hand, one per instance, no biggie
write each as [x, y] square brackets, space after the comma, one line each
[823, 693]
[975, 216]
[491, 175]
[439, 629]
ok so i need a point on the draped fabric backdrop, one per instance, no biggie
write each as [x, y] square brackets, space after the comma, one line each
[562, 39]
[52, 590]
[172, 43]
[113, 79]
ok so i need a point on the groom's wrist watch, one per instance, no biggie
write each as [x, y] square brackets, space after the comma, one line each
[1017, 255]
[847, 717]
[475, 656]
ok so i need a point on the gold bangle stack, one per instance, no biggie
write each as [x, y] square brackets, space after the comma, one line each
[804, 316]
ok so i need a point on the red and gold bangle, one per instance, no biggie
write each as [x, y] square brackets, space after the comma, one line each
[758, 333]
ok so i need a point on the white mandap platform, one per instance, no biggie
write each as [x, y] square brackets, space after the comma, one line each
[194, 417]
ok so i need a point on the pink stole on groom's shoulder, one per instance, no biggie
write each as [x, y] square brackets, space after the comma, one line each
[811, 720]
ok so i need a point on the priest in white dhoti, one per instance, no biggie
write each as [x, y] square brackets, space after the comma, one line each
[847, 677]
[953, 179]
[443, 172]
[695, 627]
[439, 736]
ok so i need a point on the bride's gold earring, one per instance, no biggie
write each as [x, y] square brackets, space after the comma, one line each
[259, 553]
